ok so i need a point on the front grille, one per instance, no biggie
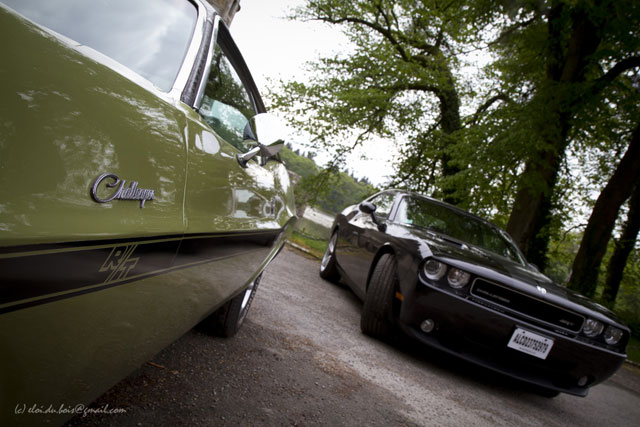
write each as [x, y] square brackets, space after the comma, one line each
[526, 305]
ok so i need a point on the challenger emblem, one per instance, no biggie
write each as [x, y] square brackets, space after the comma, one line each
[121, 193]
[541, 290]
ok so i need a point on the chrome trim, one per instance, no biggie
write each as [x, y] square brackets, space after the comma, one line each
[192, 52]
[244, 158]
[207, 67]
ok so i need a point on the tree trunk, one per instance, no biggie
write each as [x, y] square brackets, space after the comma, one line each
[568, 59]
[450, 124]
[586, 265]
[623, 248]
[537, 252]
[532, 207]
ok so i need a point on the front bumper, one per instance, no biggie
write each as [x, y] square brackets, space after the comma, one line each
[478, 333]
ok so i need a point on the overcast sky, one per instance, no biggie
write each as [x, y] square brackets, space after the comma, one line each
[277, 48]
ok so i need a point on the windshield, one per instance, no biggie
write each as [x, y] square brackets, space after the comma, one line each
[151, 37]
[453, 223]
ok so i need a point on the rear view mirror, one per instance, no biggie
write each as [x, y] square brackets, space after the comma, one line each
[268, 133]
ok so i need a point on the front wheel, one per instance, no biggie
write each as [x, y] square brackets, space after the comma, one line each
[376, 319]
[228, 319]
[328, 268]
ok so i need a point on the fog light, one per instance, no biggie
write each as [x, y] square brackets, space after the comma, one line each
[583, 381]
[427, 326]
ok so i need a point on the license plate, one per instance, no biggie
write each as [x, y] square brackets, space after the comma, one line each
[530, 343]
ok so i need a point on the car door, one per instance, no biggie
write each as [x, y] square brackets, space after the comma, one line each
[362, 240]
[234, 210]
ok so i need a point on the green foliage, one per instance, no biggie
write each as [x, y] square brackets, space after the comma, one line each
[628, 302]
[344, 191]
[300, 165]
[633, 350]
[330, 190]
[562, 250]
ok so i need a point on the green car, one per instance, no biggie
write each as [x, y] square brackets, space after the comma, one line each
[141, 192]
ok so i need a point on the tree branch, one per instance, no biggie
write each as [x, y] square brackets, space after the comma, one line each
[622, 66]
[439, 38]
[396, 38]
[409, 86]
[488, 103]
[376, 27]
[507, 32]
[605, 80]
[381, 12]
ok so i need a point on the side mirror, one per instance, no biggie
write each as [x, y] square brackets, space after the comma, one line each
[268, 133]
[370, 209]
[367, 207]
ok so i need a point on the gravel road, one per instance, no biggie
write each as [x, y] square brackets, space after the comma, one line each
[300, 359]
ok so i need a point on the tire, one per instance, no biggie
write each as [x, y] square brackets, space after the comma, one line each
[376, 320]
[328, 268]
[228, 319]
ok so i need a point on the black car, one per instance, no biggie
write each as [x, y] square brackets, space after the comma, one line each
[458, 283]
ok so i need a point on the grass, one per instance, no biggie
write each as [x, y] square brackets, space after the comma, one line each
[311, 236]
[312, 229]
[633, 350]
[313, 246]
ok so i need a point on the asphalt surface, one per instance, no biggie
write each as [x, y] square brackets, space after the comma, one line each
[300, 359]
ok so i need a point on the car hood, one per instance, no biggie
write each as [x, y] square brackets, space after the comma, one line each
[494, 267]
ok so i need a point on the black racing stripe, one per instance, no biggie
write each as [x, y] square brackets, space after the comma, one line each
[48, 299]
[41, 247]
[53, 275]
[57, 246]
[205, 247]
[33, 276]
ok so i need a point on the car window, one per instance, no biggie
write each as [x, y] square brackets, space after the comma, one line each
[226, 105]
[151, 37]
[384, 203]
[442, 219]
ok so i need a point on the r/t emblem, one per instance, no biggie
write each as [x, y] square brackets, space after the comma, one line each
[119, 263]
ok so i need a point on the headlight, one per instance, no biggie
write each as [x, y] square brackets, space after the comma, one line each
[612, 335]
[457, 278]
[592, 328]
[434, 270]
